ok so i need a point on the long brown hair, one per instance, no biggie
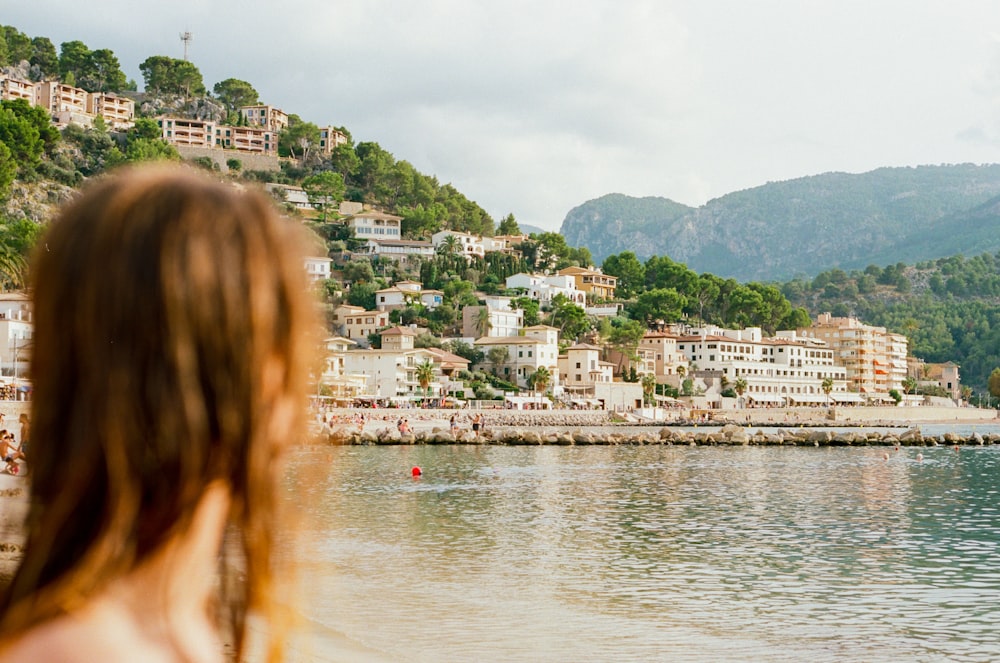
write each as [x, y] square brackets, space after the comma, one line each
[173, 326]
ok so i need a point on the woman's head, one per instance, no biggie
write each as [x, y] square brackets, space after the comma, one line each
[170, 351]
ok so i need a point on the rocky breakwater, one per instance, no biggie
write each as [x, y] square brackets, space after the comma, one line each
[730, 435]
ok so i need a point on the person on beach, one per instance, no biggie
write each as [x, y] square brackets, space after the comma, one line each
[477, 423]
[25, 430]
[173, 338]
[454, 424]
[9, 452]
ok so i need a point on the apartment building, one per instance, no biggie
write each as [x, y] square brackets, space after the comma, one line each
[391, 370]
[56, 97]
[356, 323]
[786, 369]
[330, 138]
[261, 115]
[13, 88]
[117, 112]
[874, 358]
[255, 140]
[592, 281]
[660, 356]
[187, 132]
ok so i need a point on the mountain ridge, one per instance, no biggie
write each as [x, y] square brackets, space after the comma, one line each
[805, 225]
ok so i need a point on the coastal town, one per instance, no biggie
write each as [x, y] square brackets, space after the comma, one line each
[675, 369]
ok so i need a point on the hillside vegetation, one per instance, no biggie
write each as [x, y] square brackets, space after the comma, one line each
[798, 227]
[948, 308]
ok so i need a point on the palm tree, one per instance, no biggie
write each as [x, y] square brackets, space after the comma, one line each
[484, 323]
[539, 380]
[425, 375]
[827, 387]
[449, 245]
[740, 387]
[648, 386]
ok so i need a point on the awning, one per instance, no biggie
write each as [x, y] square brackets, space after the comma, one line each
[807, 398]
[848, 398]
[766, 398]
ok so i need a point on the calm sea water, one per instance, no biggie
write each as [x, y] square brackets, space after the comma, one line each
[654, 553]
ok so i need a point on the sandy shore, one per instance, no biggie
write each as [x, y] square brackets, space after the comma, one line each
[13, 507]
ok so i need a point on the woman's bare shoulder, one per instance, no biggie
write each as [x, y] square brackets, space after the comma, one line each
[101, 633]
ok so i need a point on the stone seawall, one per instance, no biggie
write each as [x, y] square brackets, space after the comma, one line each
[730, 435]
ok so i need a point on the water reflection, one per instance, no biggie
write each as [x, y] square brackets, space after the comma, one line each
[646, 553]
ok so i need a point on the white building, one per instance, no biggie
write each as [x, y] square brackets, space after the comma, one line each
[786, 369]
[526, 354]
[403, 293]
[369, 224]
[465, 244]
[16, 331]
[502, 318]
[544, 287]
[398, 249]
[317, 268]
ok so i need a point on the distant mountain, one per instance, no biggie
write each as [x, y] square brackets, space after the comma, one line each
[806, 225]
[530, 230]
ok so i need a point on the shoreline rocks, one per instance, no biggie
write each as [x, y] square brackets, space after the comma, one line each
[728, 435]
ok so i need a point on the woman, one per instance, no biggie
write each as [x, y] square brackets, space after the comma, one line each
[169, 367]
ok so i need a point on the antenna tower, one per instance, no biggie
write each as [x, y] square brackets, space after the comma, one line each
[186, 37]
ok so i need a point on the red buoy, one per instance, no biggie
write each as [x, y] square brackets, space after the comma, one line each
[416, 471]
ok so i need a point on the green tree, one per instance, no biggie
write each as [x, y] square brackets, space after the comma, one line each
[27, 132]
[658, 304]
[498, 355]
[625, 336]
[74, 60]
[146, 149]
[166, 75]
[325, 191]
[909, 385]
[234, 93]
[630, 272]
[18, 45]
[298, 139]
[345, 161]
[44, 56]
[993, 383]
[508, 226]
[362, 294]
[8, 170]
[104, 73]
[531, 310]
[569, 318]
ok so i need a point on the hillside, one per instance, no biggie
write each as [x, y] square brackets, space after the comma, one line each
[948, 308]
[801, 226]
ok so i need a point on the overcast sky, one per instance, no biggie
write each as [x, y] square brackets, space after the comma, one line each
[535, 107]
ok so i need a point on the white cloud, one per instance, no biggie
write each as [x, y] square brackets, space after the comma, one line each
[535, 107]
